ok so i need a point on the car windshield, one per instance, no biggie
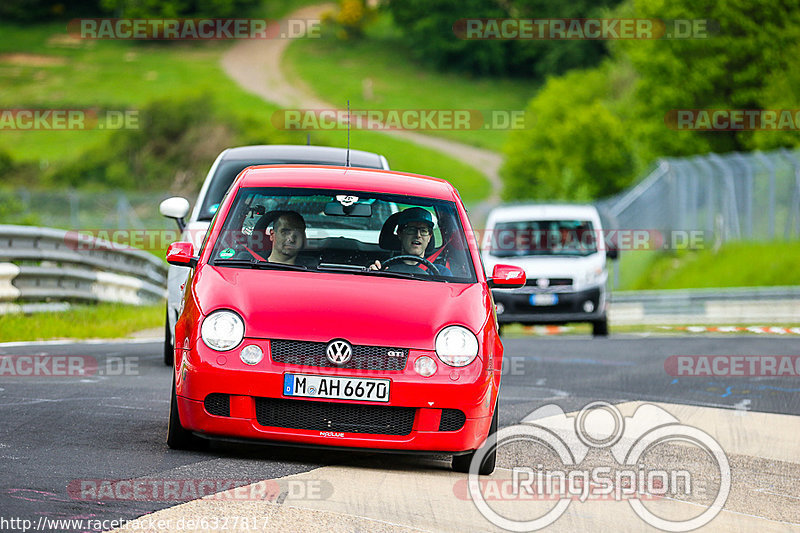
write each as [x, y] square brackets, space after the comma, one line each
[543, 237]
[344, 232]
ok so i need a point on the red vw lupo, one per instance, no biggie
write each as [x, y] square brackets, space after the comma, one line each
[333, 306]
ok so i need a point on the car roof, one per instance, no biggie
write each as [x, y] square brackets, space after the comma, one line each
[521, 212]
[302, 154]
[347, 179]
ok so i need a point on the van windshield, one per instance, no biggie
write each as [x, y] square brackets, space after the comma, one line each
[543, 237]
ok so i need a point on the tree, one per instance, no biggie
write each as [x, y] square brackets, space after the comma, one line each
[578, 146]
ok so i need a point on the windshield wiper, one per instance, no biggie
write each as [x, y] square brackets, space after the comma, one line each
[336, 267]
[255, 263]
[391, 274]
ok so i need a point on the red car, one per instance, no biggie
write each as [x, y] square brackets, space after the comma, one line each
[333, 306]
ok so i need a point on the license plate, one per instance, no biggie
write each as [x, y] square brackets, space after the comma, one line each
[544, 299]
[338, 388]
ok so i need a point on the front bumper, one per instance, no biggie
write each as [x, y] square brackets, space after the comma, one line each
[427, 410]
[516, 307]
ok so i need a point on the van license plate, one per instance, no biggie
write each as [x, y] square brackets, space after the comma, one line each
[544, 299]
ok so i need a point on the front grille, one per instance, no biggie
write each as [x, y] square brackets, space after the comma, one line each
[551, 281]
[326, 416]
[452, 420]
[218, 404]
[313, 354]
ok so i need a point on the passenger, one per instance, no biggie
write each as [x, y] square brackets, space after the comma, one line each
[288, 237]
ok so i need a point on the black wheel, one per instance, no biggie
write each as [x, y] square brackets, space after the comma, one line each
[169, 348]
[600, 328]
[461, 463]
[433, 269]
[178, 437]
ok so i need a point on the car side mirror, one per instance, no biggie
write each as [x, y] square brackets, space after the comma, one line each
[181, 254]
[507, 277]
[177, 208]
[612, 253]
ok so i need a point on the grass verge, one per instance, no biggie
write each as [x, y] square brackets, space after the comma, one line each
[736, 264]
[82, 322]
[379, 72]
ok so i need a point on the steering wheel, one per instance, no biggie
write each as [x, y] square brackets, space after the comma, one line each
[416, 258]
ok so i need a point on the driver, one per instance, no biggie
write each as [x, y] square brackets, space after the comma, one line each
[415, 231]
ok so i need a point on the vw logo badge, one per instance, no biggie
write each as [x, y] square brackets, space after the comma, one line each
[339, 352]
[543, 283]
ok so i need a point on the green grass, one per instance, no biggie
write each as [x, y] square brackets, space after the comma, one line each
[127, 75]
[82, 322]
[337, 70]
[737, 264]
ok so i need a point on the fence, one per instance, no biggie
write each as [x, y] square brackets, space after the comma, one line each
[44, 264]
[84, 210]
[752, 196]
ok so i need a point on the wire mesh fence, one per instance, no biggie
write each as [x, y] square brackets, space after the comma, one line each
[737, 196]
[84, 210]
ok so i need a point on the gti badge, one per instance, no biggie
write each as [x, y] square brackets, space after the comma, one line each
[339, 351]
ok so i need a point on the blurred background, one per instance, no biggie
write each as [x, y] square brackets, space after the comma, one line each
[596, 128]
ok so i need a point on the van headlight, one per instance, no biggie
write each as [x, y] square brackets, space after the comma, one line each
[222, 330]
[593, 276]
[456, 346]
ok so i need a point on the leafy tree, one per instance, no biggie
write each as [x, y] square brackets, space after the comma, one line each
[428, 26]
[729, 69]
[577, 147]
[178, 8]
[542, 58]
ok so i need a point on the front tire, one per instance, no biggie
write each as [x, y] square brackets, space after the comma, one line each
[600, 328]
[178, 437]
[169, 347]
[461, 463]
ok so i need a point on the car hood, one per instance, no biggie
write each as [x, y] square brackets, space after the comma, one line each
[318, 306]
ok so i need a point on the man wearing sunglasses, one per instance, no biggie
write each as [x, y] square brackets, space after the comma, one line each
[415, 231]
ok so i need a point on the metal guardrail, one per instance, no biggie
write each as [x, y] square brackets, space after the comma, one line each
[680, 306]
[46, 264]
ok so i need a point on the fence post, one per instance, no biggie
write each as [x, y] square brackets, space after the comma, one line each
[793, 218]
[771, 169]
[748, 194]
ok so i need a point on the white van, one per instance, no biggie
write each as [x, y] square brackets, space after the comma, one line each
[563, 252]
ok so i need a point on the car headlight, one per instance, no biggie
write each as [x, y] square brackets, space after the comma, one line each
[456, 346]
[222, 330]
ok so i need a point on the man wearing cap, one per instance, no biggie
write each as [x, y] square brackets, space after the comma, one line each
[415, 231]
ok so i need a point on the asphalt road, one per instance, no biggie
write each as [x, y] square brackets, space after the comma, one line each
[111, 423]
